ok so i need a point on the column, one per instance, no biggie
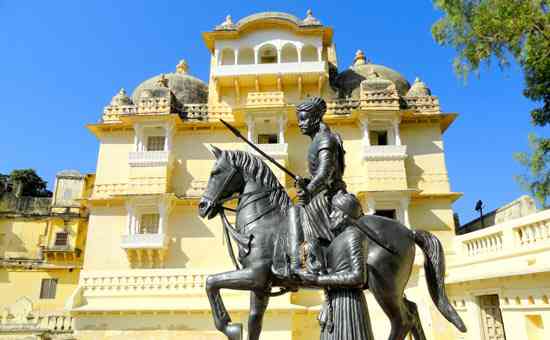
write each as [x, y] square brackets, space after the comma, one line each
[371, 206]
[396, 132]
[299, 54]
[365, 125]
[282, 125]
[405, 211]
[320, 53]
[236, 54]
[256, 55]
[138, 137]
[168, 141]
[131, 219]
[250, 124]
[279, 55]
[217, 54]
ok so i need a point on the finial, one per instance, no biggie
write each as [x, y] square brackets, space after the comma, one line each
[359, 58]
[121, 98]
[182, 67]
[227, 24]
[310, 19]
[419, 89]
[162, 81]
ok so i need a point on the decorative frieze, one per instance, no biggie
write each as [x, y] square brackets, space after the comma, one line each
[148, 158]
[385, 152]
[341, 107]
[426, 104]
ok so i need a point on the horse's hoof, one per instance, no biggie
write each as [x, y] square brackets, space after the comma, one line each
[234, 331]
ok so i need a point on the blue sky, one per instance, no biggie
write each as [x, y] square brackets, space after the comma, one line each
[62, 61]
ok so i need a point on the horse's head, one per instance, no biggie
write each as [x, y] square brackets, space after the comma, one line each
[224, 181]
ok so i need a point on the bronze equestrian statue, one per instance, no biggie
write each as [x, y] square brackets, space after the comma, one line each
[269, 230]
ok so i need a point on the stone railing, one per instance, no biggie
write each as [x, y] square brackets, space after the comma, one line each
[151, 281]
[428, 104]
[522, 235]
[385, 152]
[149, 185]
[112, 113]
[206, 112]
[148, 158]
[276, 68]
[381, 99]
[52, 322]
[341, 107]
[265, 99]
[196, 188]
[144, 241]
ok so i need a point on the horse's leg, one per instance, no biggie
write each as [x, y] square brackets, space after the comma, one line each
[246, 279]
[258, 304]
[417, 331]
[391, 301]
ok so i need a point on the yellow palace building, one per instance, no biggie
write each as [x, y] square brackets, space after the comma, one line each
[147, 253]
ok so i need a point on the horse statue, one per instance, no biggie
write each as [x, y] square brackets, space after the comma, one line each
[260, 229]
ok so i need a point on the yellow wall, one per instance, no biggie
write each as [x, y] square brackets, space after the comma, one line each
[15, 284]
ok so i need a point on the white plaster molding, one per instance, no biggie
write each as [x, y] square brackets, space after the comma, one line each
[385, 152]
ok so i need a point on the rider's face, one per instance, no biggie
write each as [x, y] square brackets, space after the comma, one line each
[338, 219]
[306, 122]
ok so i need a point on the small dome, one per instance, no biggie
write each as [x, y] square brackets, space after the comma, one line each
[121, 98]
[419, 89]
[350, 80]
[186, 88]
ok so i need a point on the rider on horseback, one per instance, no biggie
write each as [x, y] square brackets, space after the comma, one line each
[309, 219]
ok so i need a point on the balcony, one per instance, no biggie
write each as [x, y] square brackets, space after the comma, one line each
[265, 99]
[144, 241]
[314, 67]
[148, 158]
[145, 250]
[385, 152]
[515, 247]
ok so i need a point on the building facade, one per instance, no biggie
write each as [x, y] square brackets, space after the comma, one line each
[42, 242]
[148, 253]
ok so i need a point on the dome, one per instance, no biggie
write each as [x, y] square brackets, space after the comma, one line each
[186, 88]
[419, 89]
[349, 81]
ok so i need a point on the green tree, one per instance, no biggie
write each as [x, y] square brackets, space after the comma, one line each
[31, 183]
[502, 30]
[537, 180]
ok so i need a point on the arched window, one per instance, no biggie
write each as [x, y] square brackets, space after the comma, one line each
[267, 54]
[246, 56]
[309, 53]
[289, 54]
[227, 57]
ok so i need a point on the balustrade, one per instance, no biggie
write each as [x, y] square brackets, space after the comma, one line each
[513, 237]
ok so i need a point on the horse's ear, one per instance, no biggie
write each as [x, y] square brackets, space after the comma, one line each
[215, 151]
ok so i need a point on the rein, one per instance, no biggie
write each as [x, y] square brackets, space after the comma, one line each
[231, 232]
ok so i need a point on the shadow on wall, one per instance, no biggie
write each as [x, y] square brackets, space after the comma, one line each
[11, 244]
[187, 231]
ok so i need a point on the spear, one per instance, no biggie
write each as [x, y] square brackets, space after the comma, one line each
[258, 150]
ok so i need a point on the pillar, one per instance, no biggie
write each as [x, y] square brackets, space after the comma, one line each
[250, 124]
[396, 132]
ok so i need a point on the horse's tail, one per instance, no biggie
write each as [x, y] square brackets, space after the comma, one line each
[434, 267]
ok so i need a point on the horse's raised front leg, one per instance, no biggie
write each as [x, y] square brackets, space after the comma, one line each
[246, 279]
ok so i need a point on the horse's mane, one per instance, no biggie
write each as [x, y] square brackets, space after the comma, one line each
[255, 168]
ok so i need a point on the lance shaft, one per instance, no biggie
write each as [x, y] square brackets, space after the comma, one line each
[258, 150]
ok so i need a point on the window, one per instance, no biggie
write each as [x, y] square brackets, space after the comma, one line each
[378, 137]
[155, 143]
[61, 239]
[149, 224]
[268, 54]
[48, 288]
[268, 139]
[389, 213]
